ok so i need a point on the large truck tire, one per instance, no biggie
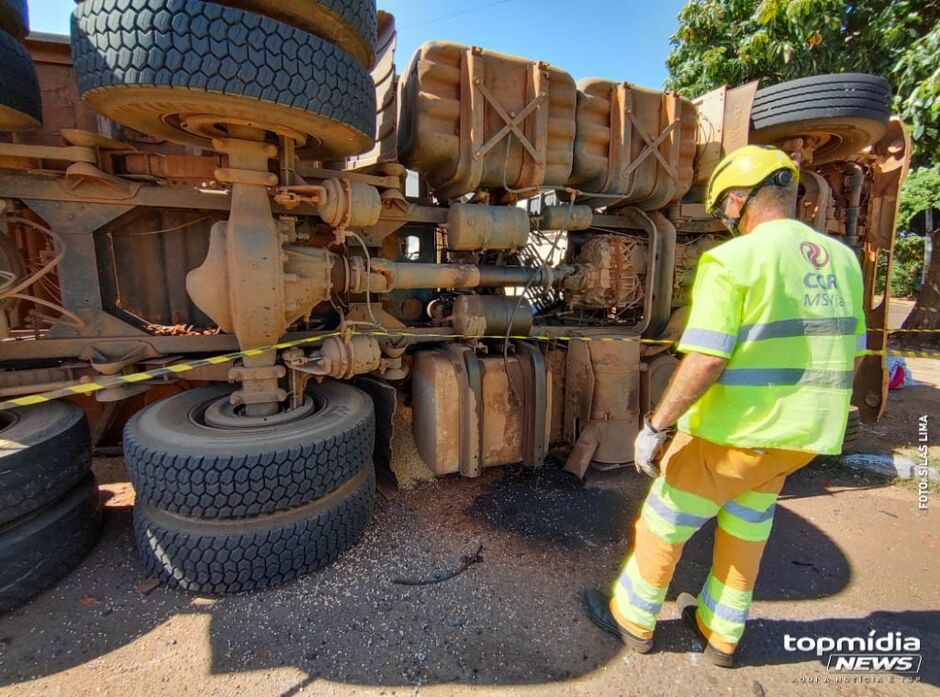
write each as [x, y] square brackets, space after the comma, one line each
[20, 100]
[233, 556]
[46, 451]
[844, 113]
[350, 24]
[42, 547]
[180, 463]
[14, 17]
[184, 69]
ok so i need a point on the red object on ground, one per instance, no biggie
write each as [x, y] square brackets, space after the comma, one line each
[897, 378]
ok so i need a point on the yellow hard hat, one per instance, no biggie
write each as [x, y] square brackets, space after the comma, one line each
[745, 168]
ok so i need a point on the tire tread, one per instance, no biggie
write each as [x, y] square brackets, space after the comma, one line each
[210, 48]
[19, 86]
[41, 548]
[233, 486]
[350, 24]
[266, 551]
[44, 471]
[849, 95]
[14, 17]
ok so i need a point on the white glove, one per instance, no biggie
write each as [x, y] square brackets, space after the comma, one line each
[648, 447]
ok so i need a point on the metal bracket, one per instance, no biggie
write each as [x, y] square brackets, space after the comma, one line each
[579, 390]
[85, 179]
[110, 358]
[534, 436]
[259, 384]
[471, 409]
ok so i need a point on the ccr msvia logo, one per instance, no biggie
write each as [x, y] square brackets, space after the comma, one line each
[814, 254]
[891, 653]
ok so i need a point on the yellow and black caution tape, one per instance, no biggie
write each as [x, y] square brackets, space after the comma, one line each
[907, 354]
[904, 331]
[111, 381]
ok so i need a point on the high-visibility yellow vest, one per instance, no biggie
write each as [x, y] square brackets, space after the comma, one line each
[784, 304]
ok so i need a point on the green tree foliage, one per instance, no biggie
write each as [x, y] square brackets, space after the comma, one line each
[908, 264]
[733, 41]
[916, 79]
[906, 267]
[921, 191]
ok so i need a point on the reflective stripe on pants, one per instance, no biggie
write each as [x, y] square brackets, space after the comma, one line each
[701, 480]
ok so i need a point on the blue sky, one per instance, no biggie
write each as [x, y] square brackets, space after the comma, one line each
[621, 40]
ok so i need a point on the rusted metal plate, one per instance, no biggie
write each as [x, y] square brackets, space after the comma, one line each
[724, 122]
[149, 254]
[654, 380]
[616, 398]
[61, 105]
[436, 387]
[509, 426]
[555, 360]
[603, 387]
[891, 161]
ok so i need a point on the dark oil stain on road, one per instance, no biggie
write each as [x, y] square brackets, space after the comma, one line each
[540, 505]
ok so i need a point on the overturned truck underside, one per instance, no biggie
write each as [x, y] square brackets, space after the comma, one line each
[503, 249]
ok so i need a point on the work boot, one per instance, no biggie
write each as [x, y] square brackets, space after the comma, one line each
[598, 607]
[688, 605]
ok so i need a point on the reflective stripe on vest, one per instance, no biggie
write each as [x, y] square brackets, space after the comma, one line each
[827, 326]
[771, 377]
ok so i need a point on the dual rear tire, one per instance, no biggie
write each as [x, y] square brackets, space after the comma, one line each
[222, 507]
[226, 510]
[49, 512]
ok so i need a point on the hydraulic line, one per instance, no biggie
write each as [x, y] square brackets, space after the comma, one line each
[387, 275]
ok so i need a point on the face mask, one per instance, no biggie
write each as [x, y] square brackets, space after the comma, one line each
[732, 225]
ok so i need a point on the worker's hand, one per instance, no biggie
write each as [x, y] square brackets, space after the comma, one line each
[648, 447]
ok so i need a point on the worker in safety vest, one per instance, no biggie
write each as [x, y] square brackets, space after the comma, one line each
[776, 322]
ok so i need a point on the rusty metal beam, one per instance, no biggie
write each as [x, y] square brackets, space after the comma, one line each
[76, 222]
[23, 186]
[74, 347]
[893, 155]
[71, 153]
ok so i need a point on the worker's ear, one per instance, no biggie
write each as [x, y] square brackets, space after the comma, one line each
[734, 202]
